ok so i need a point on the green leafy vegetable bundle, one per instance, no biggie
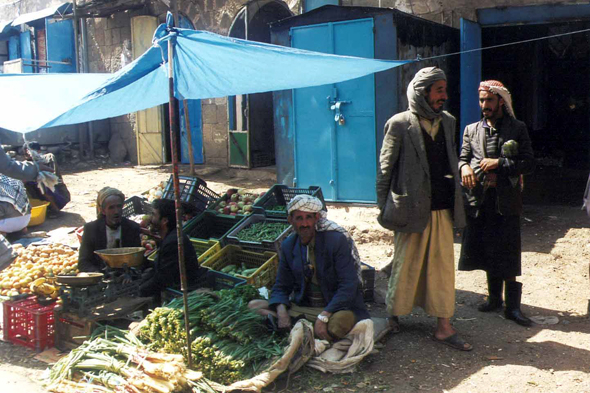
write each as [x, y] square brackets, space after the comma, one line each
[229, 342]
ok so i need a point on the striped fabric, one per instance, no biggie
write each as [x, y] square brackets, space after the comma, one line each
[492, 150]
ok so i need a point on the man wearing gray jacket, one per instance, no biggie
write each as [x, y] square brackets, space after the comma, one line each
[419, 197]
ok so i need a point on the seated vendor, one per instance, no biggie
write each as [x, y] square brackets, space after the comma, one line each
[15, 210]
[59, 197]
[110, 230]
[166, 271]
[317, 277]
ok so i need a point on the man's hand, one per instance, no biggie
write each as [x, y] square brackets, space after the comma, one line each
[284, 318]
[468, 176]
[489, 164]
[45, 168]
[321, 328]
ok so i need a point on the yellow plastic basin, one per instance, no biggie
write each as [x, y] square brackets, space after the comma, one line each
[38, 212]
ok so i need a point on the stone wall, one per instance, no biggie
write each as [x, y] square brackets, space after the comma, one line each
[109, 49]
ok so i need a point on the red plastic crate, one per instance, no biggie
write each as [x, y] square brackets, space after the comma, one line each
[29, 324]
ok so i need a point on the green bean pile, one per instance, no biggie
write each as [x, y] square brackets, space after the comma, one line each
[229, 342]
[260, 231]
[278, 208]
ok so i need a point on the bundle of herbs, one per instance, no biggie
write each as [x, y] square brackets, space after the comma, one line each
[229, 342]
[115, 361]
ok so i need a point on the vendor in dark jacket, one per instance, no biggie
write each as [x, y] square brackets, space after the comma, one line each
[317, 277]
[166, 272]
[110, 230]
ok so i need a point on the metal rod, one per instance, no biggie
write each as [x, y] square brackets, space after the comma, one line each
[189, 137]
[174, 132]
[48, 61]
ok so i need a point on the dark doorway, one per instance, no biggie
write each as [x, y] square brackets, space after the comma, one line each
[550, 84]
[251, 134]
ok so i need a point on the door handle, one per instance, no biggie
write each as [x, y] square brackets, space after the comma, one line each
[338, 116]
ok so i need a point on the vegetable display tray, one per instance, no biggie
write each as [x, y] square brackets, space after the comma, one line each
[136, 205]
[211, 226]
[263, 245]
[203, 248]
[267, 263]
[29, 324]
[275, 201]
[368, 275]
[193, 191]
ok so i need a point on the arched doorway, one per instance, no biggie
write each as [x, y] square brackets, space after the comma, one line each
[251, 128]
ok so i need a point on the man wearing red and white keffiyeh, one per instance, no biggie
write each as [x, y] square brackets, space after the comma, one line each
[496, 152]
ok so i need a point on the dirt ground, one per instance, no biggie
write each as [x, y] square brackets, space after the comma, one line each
[506, 358]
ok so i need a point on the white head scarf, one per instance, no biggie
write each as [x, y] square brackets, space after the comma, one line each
[311, 204]
[417, 91]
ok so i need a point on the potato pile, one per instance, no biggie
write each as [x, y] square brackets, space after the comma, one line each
[35, 262]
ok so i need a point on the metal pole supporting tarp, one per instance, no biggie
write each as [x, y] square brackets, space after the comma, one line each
[174, 132]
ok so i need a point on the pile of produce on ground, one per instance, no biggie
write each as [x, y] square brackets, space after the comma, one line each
[35, 266]
[229, 342]
[237, 201]
[156, 192]
[114, 360]
[262, 230]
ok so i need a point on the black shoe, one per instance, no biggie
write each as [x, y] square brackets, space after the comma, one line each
[271, 323]
[513, 297]
[494, 302]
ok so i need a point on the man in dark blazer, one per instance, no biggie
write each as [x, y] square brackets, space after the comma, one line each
[109, 230]
[496, 152]
[317, 277]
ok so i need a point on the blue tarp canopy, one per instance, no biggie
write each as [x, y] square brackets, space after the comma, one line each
[206, 65]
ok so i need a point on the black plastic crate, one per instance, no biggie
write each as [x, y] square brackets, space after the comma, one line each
[136, 205]
[193, 191]
[368, 276]
[274, 245]
[261, 159]
[280, 195]
[211, 226]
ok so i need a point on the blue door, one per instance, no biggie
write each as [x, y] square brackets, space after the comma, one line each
[14, 47]
[470, 73]
[194, 116]
[60, 45]
[25, 51]
[335, 139]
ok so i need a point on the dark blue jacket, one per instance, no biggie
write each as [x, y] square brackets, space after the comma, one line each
[336, 274]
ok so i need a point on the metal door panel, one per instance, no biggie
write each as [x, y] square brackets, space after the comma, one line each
[355, 140]
[340, 158]
[470, 73]
[194, 115]
[14, 47]
[314, 124]
[60, 45]
[150, 122]
[25, 51]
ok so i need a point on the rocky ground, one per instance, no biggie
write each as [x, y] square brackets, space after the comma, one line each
[506, 358]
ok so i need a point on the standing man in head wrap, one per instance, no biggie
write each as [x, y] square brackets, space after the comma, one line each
[109, 230]
[419, 197]
[317, 276]
[496, 152]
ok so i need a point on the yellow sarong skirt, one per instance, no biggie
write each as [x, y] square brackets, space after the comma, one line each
[423, 271]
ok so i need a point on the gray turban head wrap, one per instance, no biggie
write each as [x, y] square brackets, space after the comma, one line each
[417, 91]
[305, 203]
